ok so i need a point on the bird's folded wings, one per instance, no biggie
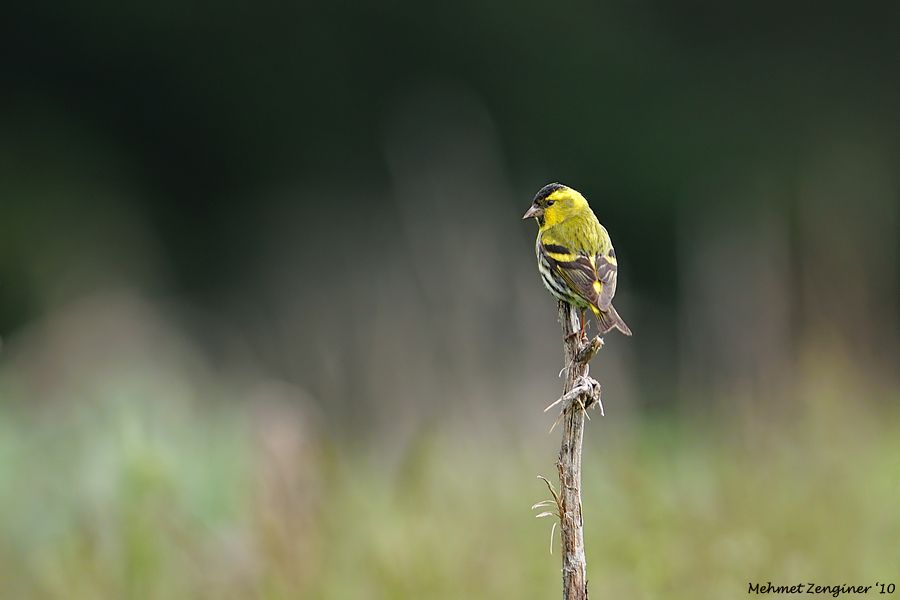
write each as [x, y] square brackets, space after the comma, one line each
[593, 277]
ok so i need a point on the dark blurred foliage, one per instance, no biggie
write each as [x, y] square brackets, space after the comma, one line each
[161, 144]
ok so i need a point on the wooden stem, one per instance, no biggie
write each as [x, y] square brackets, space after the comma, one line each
[574, 563]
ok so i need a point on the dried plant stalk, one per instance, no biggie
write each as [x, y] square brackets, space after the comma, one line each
[577, 354]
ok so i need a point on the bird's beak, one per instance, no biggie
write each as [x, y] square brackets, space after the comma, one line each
[534, 211]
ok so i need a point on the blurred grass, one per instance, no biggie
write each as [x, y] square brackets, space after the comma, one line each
[133, 496]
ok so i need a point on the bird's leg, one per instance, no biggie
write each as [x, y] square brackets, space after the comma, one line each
[578, 335]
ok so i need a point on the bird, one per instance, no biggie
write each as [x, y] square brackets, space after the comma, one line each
[575, 255]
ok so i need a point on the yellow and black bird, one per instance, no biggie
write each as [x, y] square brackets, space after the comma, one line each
[575, 255]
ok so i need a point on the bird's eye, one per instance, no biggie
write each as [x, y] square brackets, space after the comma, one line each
[549, 202]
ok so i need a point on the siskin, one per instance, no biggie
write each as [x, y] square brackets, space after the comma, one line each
[575, 255]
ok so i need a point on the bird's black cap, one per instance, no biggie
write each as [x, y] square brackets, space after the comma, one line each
[547, 190]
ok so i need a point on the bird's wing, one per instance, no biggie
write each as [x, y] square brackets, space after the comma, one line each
[607, 274]
[577, 269]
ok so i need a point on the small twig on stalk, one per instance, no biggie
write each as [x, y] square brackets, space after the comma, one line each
[587, 352]
[580, 392]
[552, 492]
[587, 388]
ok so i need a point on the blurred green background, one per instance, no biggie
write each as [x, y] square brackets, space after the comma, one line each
[272, 328]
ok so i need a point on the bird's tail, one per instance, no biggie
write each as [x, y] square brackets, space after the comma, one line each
[609, 319]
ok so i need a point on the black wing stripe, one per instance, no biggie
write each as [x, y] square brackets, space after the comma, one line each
[556, 249]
